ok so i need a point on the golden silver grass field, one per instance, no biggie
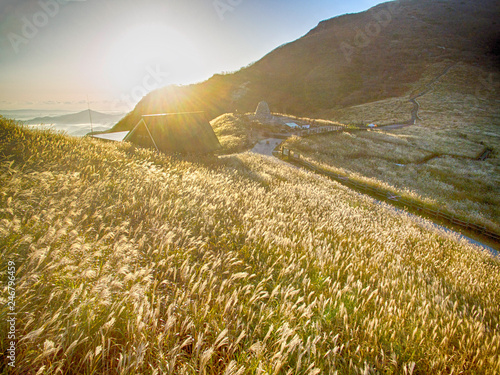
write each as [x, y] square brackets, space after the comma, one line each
[130, 262]
[434, 162]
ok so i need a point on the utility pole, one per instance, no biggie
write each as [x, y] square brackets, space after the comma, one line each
[90, 116]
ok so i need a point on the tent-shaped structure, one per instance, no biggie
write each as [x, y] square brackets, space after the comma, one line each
[175, 132]
[263, 112]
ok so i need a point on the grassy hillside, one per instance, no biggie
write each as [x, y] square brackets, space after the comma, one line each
[235, 133]
[136, 263]
[345, 61]
[239, 133]
[435, 160]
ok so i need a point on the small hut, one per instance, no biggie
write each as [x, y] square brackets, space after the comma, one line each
[175, 132]
[292, 125]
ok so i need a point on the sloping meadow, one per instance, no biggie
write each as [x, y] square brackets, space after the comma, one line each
[135, 263]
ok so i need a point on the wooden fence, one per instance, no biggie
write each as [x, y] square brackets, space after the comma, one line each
[381, 194]
[321, 130]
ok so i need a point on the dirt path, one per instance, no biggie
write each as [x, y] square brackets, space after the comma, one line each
[416, 104]
[428, 88]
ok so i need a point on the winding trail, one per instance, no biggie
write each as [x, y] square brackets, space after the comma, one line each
[416, 104]
[432, 226]
[267, 146]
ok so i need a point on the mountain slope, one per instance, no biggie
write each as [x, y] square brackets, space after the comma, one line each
[75, 118]
[347, 60]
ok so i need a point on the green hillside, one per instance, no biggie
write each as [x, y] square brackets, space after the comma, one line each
[132, 262]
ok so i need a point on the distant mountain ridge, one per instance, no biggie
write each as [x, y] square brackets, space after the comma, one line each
[77, 118]
[347, 60]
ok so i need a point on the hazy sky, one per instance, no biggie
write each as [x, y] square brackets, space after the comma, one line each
[53, 53]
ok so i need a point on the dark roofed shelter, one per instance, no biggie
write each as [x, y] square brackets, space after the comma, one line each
[188, 132]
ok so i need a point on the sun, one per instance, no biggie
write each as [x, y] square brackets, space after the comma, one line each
[142, 48]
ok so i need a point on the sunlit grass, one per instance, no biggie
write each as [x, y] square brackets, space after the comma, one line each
[434, 161]
[383, 112]
[233, 132]
[135, 263]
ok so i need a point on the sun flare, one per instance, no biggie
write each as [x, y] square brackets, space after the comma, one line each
[138, 50]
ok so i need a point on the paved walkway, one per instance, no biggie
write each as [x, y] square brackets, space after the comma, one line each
[430, 225]
[266, 146]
